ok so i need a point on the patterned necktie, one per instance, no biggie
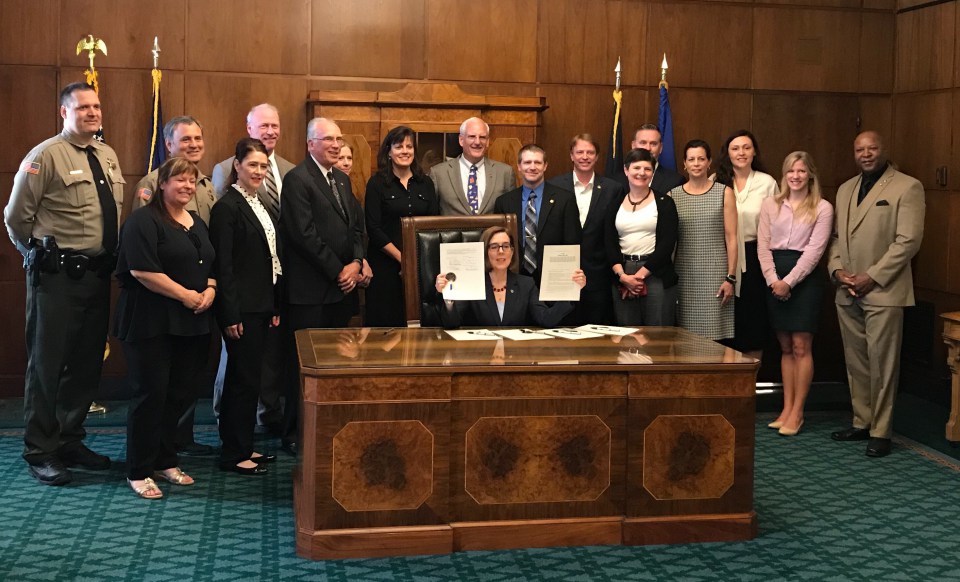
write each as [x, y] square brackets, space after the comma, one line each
[108, 207]
[530, 234]
[336, 194]
[271, 198]
[472, 197]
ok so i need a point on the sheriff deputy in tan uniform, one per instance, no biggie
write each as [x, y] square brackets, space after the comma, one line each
[62, 216]
[184, 138]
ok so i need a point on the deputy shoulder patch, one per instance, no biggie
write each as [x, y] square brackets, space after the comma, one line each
[30, 167]
[145, 193]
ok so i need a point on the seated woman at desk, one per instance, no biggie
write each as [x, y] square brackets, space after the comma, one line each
[512, 299]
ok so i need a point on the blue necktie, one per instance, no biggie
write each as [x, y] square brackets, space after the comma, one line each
[472, 198]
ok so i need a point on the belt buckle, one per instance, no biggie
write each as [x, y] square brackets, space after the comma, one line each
[76, 265]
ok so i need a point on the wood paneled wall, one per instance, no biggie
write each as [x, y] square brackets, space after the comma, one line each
[799, 73]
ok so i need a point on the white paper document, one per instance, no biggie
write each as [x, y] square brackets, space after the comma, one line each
[465, 335]
[522, 334]
[462, 264]
[607, 329]
[556, 273]
[568, 333]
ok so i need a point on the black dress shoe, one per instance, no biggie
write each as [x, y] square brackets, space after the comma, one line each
[878, 447]
[289, 447]
[258, 470]
[195, 450]
[851, 434]
[51, 472]
[84, 458]
[264, 459]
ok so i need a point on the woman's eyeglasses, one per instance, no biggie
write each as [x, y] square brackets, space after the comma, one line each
[500, 247]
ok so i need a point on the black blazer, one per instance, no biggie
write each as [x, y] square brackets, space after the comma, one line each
[557, 224]
[318, 240]
[243, 265]
[593, 254]
[521, 306]
[660, 262]
[664, 180]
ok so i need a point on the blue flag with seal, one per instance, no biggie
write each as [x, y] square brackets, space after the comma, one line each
[668, 157]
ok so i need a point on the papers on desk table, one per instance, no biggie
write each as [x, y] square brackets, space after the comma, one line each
[464, 335]
[522, 334]
[574, 334]
[607, 329]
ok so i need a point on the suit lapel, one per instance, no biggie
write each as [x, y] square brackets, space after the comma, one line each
[490, 303]
[488, 185]
[859, 211]
[598, 192]
[511, 302]
[457, 183]
[325, 188]
[244, 208]
[546, 205]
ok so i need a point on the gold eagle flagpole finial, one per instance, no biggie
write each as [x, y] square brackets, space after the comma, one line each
[92, 45]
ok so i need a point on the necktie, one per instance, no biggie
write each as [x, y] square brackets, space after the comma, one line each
[271, 198]
[472, 197]
[108, 207]
[336, 194]
[530, 234]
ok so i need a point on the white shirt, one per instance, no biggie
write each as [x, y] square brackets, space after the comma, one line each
[268, 228]
[758, 187]
[584, 194]
[638, 229]
[481, 179]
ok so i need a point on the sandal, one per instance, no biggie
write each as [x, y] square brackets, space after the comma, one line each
[148, 490]
[174, 475]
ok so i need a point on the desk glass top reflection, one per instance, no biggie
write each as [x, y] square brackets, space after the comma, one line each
[331, 352]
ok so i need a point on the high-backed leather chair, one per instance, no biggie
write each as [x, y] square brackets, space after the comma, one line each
[420, 262]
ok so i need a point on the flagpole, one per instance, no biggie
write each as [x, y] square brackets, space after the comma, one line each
[156, 76]
[665, 121]
[614, 164]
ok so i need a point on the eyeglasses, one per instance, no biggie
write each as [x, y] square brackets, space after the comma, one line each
[500, 247]
[330, 139]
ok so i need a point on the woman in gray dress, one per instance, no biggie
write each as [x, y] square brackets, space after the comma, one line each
[706, 259]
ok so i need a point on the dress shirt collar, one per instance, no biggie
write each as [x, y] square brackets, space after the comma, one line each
[465, 165]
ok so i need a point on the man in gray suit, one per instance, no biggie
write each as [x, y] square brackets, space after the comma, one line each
[263, 123]
[879, 229]
[469, 184]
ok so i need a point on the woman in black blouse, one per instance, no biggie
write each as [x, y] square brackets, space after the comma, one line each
[248, 274]
[162, 319]
[399, 188]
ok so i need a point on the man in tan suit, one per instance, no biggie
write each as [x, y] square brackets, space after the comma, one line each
[879, 229]
[470, 183]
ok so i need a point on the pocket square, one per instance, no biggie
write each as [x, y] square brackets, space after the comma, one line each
[883, 203]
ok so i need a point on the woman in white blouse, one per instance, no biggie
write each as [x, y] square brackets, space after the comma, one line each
[248, 259]
[794, 230]
[741, 169]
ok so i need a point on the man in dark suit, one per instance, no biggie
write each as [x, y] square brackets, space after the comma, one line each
[593, 194]
[546, 214]
[321, 224]
[648, 137]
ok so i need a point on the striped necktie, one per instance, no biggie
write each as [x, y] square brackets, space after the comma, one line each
[336, 194]
[271, 198]
[530, 234]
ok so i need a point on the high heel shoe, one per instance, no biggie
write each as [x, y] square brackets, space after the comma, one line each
[263, 459]
[786, 431]
[257, 470]
[775, 424]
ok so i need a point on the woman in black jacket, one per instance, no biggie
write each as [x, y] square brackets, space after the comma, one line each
[641, 235]
[248, 262]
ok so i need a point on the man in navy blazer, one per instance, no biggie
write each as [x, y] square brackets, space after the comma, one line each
[647, 137]
[593, 194]
[321, 224]
[557, 215]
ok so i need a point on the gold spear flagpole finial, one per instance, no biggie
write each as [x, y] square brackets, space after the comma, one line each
[663, 72]
[617, 71]
[92, 45]
[156, 52]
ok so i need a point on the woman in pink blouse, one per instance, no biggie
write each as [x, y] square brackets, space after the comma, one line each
[793, 232]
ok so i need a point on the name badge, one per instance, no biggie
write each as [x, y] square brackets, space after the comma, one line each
[75, 172]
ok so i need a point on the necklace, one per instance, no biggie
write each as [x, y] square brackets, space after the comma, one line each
[638, 202]
[499, 289]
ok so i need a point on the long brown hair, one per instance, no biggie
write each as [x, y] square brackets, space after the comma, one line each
[807, 211]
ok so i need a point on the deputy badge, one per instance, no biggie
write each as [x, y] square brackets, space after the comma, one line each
[145, 193]
[30, 167]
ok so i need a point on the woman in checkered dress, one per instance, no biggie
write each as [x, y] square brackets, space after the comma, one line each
[706, 257]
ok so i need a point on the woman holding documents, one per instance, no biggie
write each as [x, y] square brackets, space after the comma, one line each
[511, 299]
[641, 234]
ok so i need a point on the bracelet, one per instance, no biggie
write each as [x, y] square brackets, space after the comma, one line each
[730, 279]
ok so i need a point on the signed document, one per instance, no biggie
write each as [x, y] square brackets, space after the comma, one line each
[569, 333]
[556, 279]
[522, 334]
[607, 329]
[462, 264]
[467, 335]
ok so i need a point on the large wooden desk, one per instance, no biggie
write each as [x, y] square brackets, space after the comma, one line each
[414, 443]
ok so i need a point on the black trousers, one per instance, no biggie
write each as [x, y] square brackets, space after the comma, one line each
[306, 317]
[241, 388]
[595, 306]
[66, 332]
[184, 434]
[163, 372]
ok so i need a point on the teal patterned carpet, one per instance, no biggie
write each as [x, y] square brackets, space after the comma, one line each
[826, 513]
